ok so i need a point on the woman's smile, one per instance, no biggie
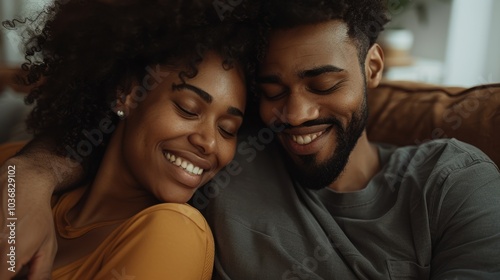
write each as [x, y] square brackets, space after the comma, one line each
[184, 164]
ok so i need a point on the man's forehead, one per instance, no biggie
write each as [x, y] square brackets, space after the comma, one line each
[305, 47]
[329, 32]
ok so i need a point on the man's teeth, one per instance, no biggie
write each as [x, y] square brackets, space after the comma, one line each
[305, 139]
[186, 165]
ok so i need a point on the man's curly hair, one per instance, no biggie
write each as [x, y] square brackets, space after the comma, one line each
[365, 18]
[88, 50]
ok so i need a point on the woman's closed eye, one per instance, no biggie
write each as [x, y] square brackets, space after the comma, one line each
[229, 128]
[227, 132]
[184, 111]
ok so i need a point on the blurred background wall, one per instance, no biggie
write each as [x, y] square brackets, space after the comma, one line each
[13, 111]
[9, 39]
[459, 41]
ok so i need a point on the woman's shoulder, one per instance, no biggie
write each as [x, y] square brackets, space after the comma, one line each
[170, 241]
[183, 215]
[173, 221]
[166, 239]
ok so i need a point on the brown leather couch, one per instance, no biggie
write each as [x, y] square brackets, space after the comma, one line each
[407, 113]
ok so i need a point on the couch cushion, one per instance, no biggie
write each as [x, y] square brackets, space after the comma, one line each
[408, 113]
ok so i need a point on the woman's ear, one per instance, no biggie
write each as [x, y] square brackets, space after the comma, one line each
[123, 103]
[119, 105]
[374, 66]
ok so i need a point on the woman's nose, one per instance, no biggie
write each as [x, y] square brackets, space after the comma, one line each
[204, 140]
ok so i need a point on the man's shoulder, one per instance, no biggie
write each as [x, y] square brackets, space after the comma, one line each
[449, 153]
[432, 162]
[454, 150]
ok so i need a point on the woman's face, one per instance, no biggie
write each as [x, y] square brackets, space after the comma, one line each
[181, 134]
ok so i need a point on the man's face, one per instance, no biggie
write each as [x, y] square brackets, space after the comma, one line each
[311, 79]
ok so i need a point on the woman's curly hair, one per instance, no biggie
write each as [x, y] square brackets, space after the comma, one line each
[365, 18]
[87, 50]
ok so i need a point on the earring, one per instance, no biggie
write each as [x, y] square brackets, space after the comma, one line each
[120, 114]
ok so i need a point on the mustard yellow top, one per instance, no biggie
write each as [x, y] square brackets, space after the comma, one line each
[165, 241]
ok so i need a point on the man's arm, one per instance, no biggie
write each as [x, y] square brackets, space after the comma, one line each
[27, 183]
[467, 226]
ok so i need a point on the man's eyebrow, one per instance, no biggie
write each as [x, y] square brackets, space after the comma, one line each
[275, 79]
[234, 111]
[203, 94]
[319, 70]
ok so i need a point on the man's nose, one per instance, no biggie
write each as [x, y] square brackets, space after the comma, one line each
[300, 108]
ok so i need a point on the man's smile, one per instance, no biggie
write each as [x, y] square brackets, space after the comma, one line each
[306, 140]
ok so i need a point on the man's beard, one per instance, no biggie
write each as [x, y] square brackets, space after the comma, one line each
[313, 175]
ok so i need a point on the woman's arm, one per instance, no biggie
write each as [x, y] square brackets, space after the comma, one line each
[27, 182]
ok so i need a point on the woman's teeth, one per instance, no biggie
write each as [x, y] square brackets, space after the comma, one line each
[305, 139]
[186, 165]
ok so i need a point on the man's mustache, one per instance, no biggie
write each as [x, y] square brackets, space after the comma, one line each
[328, 121]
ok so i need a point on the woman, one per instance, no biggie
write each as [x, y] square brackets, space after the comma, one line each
[175, 76]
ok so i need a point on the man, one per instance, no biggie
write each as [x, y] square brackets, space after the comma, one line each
[322, 202]
[351, 209]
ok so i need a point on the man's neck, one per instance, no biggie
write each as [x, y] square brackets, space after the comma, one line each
[363, 164]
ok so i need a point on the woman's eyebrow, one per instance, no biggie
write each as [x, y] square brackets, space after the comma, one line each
[203, 94]
[234, 111]
[206, 97]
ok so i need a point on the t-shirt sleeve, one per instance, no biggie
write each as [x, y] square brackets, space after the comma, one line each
[166, 241]
[467, 225]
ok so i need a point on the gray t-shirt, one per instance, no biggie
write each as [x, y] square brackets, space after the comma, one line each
[432, 212]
